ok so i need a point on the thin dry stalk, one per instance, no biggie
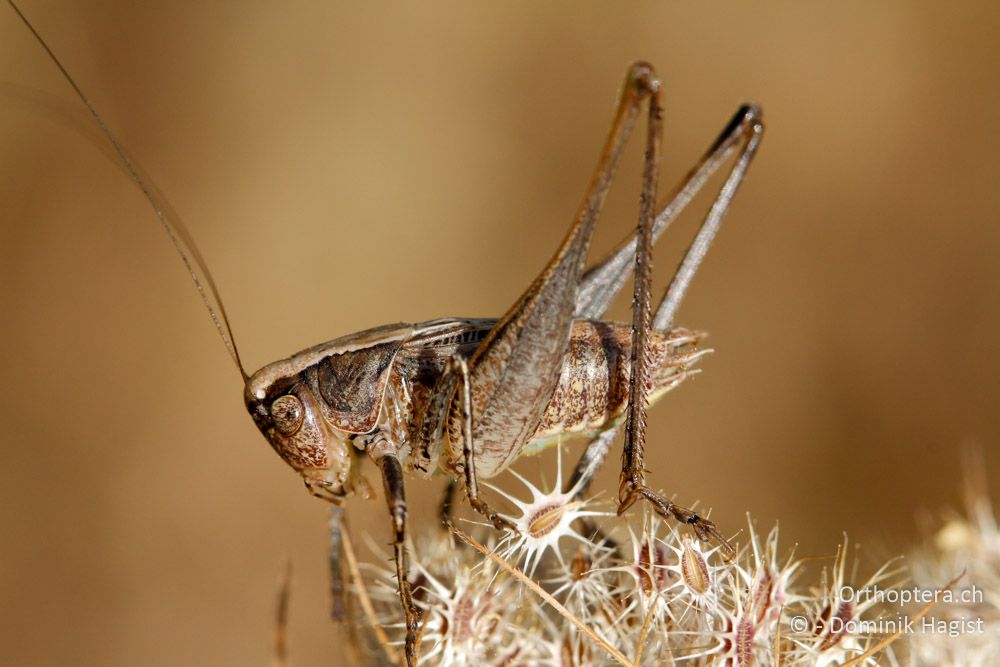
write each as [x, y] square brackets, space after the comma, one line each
[542, 593]
[646, 625]
[281, 617]
[364, 599]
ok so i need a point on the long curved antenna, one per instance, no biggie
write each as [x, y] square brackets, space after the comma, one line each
[171, 222]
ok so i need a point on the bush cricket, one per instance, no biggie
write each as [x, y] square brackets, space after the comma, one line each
[466, 397]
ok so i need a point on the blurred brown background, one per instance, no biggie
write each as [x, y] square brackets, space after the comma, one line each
[346, 166]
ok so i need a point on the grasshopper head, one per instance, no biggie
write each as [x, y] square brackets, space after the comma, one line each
[289, 416]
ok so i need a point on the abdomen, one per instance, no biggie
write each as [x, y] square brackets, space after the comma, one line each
[592, 393]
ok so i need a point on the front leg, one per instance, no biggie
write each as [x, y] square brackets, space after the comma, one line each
[338, 608]
[395, 497]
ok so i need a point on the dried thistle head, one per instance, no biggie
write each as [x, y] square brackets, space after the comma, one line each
[544, 521]
[835, 620]
[643, 593]
[966, 545]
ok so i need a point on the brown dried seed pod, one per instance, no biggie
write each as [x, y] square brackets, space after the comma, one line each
[760, 600]
[581, 564]
[745, 631]
[694, 569]
[547, 519]
[835, 631]
[651, 567]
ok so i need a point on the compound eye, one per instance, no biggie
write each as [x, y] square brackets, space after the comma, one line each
[287, 413]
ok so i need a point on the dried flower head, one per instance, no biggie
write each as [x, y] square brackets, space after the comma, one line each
[543, 521]
[645, 593]
[968, 544]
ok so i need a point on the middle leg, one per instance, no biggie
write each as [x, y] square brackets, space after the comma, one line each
[469, 454]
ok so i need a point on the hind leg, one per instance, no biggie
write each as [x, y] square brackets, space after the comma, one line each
[602, 282]
[632, 485]
[513, 372]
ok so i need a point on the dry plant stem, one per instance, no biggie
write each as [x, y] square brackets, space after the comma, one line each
[899, 633]
[777, 632]
[363, 598]
[646, 625]
[542, 593]
[281, 617]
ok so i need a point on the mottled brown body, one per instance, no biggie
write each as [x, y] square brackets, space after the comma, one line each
[372, 396]
[592, 392]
